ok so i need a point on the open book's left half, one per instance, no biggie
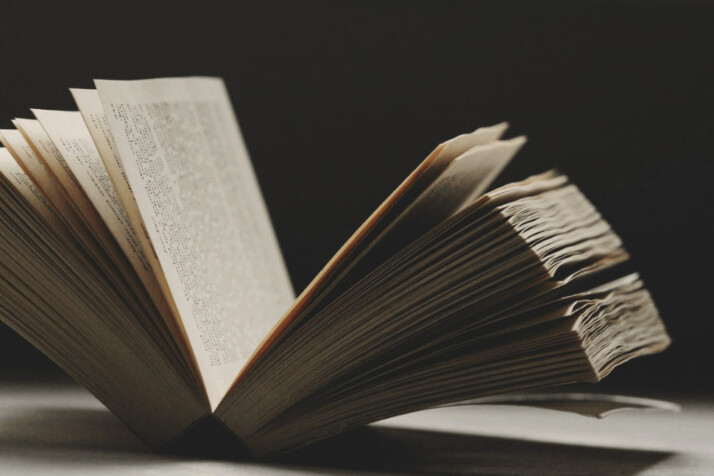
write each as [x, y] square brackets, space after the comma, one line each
[136, 252]
[158, 273]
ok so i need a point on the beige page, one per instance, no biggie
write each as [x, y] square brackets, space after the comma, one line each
[47, 151]
[92, 111]
[184, 158]
[71, 137]
[19, 179]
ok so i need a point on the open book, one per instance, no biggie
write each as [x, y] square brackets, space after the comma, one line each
[138, 254]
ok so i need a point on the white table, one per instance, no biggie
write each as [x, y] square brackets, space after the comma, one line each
[53, 426]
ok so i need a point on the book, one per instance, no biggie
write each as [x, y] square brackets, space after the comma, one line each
[138, 254]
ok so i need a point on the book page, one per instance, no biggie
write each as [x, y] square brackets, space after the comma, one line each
[184, 158]
[90, 106]
[42, 176]
[46, 150]
[64, 141]
[77, 210]
[26, 158]
[463, 180]
[11, 170]
[69, 134]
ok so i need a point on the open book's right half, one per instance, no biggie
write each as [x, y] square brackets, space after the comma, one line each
[447, 293]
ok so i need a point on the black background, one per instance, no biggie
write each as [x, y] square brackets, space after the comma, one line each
[339, 101]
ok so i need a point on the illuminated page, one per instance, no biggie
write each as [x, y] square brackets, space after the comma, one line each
[48, 153]
[73, 141]
[90, 106]
[184, 157]
[34, 169]
[11, 170]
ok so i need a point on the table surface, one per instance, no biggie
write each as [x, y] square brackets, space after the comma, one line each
[53, 426]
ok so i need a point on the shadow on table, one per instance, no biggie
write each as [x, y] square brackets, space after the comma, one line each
[95, 436]
[397, 450]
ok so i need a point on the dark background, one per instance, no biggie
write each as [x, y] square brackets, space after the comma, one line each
[339, 101]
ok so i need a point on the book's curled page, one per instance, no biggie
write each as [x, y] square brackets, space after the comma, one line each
[69, 133]
[598, 405]
[185, 161]
[65, 157]
[12, 171]
[90, 106]
[16, 166]
[48, 169]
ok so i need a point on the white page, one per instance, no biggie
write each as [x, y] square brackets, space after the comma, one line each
[26, 158]
[19, 179]
[40, 174]
[37, 137]
[72, 203]
[90, 106]
[463, 180]
[92, 111]
[188, 168]
[69, 134]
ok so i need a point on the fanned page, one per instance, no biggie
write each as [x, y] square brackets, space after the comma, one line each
[85, 316]
[10, 169]
[70, 135]
[478, 157]
[184, 158]
[90, 106]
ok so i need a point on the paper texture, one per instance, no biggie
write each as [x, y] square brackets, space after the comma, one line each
[90, 106]
[92, 111]
[19, 179]
[68, 132]
[184, 158]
